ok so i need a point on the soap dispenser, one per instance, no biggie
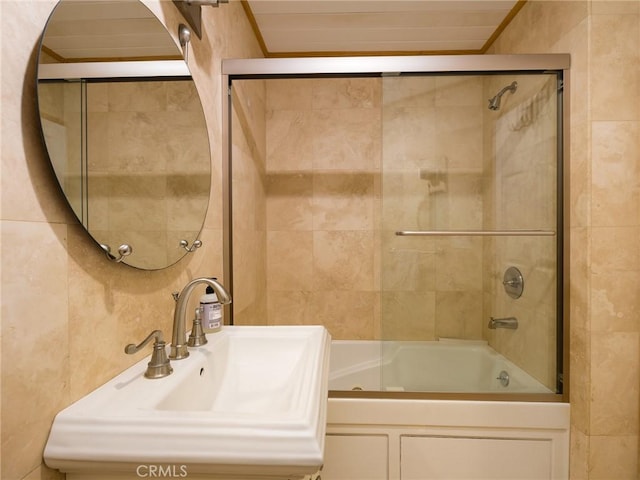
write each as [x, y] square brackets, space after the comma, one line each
[210, 311]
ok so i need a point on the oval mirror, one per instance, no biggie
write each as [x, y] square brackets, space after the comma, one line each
[125, 130]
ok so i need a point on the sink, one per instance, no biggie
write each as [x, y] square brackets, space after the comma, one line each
[250, 403]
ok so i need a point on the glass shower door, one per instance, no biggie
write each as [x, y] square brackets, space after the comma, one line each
[470, 196]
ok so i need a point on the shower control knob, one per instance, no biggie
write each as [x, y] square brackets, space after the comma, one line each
[513, 282]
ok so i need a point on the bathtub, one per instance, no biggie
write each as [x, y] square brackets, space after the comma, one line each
[435, 410]
[430, 366]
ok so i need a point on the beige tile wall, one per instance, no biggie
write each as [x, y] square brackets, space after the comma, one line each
[322, 182]
[66, 311]
[249, 191]
[603, 38]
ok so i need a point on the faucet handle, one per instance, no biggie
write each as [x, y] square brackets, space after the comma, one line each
[159, 365]
[197, 338]
[133, 348]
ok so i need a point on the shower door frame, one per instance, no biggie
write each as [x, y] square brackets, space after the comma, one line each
[318, 67]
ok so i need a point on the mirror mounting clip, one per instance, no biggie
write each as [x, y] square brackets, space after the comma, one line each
[192, 13]
[124, 250]
[190, 249]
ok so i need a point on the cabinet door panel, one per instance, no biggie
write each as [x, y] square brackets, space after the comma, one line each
[426, 458]
[356, 457]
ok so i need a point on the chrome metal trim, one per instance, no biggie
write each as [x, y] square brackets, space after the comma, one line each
[227, 196]
[394, 64]
[475, 233]
[563, 266]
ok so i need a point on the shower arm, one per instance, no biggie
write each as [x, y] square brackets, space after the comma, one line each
[494, 103]
[512, 88]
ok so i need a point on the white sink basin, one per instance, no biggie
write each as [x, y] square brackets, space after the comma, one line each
[252, 401]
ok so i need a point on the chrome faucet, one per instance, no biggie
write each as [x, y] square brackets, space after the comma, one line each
[508, 322]
[179, 337]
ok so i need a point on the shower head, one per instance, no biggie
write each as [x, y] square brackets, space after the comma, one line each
[494, 103]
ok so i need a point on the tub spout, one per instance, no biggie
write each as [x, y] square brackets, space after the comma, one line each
[508, 322]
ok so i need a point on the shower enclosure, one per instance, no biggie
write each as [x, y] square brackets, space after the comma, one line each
[413, 206]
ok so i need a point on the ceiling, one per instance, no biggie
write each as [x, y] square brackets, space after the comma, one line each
[89, 30]
[368, 27]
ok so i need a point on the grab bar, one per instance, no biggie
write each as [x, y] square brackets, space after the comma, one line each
[476, 233]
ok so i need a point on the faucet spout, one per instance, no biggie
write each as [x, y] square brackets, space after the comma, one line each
[179, 337]
[508, 322]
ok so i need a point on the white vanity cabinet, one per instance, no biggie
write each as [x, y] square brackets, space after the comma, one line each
[356, 457]
[372, 439]
[426, 458]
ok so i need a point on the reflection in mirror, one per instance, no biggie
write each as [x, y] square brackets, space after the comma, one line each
[124, 128]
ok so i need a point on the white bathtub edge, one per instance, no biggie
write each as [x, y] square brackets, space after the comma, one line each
[448, 413]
